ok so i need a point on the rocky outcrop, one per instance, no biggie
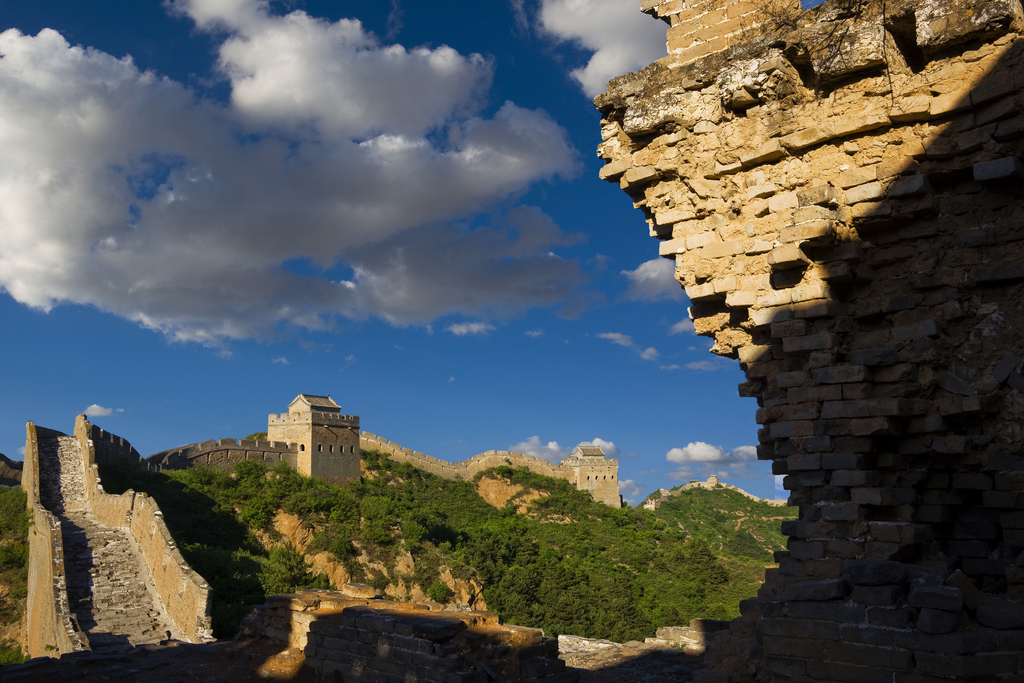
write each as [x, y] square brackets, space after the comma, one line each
[841, 192]
[10, 471]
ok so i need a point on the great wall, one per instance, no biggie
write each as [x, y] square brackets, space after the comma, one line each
[841, 191]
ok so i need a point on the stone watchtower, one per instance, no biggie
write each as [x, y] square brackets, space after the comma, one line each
[595, 473]
[328, 440]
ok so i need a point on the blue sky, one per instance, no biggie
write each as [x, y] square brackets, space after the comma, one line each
[209, 206]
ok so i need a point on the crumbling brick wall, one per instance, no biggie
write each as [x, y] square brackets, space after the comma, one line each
[841, 190]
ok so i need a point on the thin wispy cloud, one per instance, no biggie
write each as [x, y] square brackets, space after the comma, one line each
[463, 329]
[684, 326]
[650, 353]
[281, 360]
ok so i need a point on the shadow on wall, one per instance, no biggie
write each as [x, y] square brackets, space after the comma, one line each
[847, 219]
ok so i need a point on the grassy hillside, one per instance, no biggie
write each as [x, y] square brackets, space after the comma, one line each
[569, 565]
[14, 523]
[741, 531]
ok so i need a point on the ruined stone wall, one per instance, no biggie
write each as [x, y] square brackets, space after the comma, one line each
[50, 625]
[224, 453]
[360, 639]
[185, 595]
[842, 192]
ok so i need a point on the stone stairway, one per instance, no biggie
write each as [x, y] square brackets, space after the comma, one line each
[108, 583]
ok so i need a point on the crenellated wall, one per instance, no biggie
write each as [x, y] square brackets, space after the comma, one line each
[842, 193]
[184, 594]
[51, 626]
[224, 453]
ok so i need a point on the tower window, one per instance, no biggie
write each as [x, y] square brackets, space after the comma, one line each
[320, 448]
[302, 446]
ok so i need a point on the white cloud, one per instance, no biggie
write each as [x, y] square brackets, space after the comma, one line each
[620, 37]
[650, 353]
[282, 360]
[550, 451]
[631, 490]
[684, 326]
[534, 333]
[609, 448]
[703, 366]
[451, 379]
[618, 338]
[21, 451]
[674, 366]
[699, 451]
[780, 491]
[462, 329]
[123, 190]
[654, 280]
[96, 410]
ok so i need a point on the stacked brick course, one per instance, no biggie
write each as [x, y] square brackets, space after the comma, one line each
[843, 196]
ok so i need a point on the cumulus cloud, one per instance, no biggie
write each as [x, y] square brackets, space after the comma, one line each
[281, 360]
[123, 190]
[609, 448]
[654, 280]
[462, 329]
[703, 366]
[650, 353]
[96, 410]
[700, 459]
[534, 333]
[619, 37]
[780, 491]
[549, 451]
[631, 490]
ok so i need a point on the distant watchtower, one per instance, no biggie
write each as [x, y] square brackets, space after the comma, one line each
[328, 440]
[595, 473]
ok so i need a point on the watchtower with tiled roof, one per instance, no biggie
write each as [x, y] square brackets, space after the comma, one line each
[595, 473]
[328, 440]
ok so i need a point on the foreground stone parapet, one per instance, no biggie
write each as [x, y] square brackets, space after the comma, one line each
[379, 640]
[842, 193]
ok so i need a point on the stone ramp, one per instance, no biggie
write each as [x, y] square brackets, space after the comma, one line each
[108, 583]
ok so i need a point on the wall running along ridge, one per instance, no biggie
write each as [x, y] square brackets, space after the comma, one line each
[841, 192]
[597, 476]
[51, 626]
[184, 593]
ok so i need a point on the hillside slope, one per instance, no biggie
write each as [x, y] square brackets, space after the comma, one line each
[550, 557]
[742, 532]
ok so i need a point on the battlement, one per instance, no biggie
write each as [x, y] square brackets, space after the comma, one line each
[319, 417]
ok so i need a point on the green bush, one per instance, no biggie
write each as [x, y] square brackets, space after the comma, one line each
[439, 592]
[10, 653]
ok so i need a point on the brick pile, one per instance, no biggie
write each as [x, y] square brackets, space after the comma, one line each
[841, 192]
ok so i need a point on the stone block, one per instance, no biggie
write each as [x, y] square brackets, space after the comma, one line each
[1005, 168]
[868, 192]
[871, 357]
[810, 342]
[836, 374]
[787, 257]
[816, 232]
[820, 195]
[670, 248]
[874, 572]
[909, 186]
[816, 591]
[769, 151]
[948, 598]
[808, 137]
[846, 125]
[783, 201]
[1001, 614]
